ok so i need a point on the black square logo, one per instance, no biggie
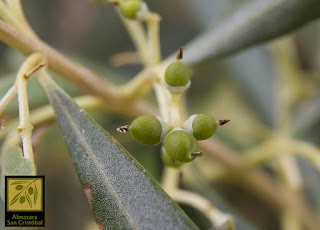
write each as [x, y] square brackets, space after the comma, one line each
[24, 201]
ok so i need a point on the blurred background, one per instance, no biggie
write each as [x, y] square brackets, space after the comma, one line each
[242, 88]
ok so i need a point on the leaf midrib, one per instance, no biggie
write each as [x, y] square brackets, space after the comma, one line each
[90, 153]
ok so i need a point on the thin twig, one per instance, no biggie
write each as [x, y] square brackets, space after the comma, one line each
[81, 76]
[259, 183]
[8, 98]
[138, 36]
[139, 85]
[218, 219]
[13, 15]
[25, 127]
[170, 179]
[46, 114]
[288, 80]
[125, 58]
[153, 22]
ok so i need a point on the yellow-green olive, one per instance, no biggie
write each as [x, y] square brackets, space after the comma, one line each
[201, 126]
[22, 199]
[148, 129]
[130, 8]
[177, 77]
[167, 160]
[181, 145]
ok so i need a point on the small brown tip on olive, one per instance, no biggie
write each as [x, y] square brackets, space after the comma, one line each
[223, 122]
[180, 53]
[123, 129]
[196, 155]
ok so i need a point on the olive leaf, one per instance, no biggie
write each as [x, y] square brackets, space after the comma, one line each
[19, 187]
[121, 193]
[15, 198]
[29, 200]
[30, 190]
[35, 196]
[254, 23]
[22, 199]
[19, 182]
[15, 164]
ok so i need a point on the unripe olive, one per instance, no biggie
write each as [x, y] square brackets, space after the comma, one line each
[22, 200]
[30, 190]
[168, 160]
[201, 126]
[130, 8]
[177, 77]
[181, 145]
[19, 187]
[148, 129]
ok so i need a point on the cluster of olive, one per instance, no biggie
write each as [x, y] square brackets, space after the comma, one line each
[180, 144]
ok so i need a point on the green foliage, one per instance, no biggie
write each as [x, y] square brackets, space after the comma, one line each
[115, 184]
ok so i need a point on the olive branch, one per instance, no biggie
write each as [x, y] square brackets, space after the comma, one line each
[25, 192]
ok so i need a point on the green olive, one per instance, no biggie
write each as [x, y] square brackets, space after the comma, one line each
[201, 126]
[177, 77]
[130, 8]
[30, 190]
[168, 160]
[181, 145]
[22, 199]
[19, 187]
[148, 129]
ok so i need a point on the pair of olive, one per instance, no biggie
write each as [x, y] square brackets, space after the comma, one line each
[151, 130]
[181, 145]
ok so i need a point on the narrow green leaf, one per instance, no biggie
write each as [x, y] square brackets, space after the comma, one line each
[35, 196]
[15, 164]
[122, 195]
[19, 187]
[29, 200]
[256, 22]
[19, 182]
[15, 198]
